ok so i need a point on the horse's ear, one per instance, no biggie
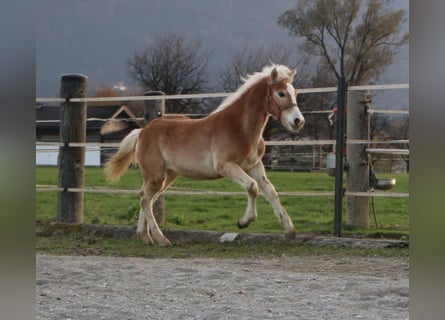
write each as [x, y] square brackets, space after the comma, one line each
[273, 76]
[293, 72]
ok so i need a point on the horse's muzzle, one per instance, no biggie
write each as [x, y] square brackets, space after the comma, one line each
[298, 124]
[292, 119]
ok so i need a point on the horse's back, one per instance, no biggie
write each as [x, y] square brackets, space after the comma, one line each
[181, 145]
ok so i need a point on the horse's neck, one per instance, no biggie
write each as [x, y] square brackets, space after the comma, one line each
[255, 110]
[248, 114]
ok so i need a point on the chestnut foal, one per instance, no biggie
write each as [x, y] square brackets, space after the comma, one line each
[227, 143]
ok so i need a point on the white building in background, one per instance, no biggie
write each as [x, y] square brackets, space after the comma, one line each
[47, 156]
[105, 123]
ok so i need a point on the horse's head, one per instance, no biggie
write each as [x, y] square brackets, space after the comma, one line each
[282, 98]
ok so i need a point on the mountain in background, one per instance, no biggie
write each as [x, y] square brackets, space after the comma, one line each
[97, 37]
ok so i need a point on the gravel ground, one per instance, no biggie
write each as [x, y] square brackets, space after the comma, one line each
[308, 287]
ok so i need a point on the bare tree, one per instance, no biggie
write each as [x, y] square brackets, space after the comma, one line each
[352, 38]
[172, 64]
[251, 59]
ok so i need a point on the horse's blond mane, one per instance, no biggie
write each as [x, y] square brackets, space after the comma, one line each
[250, 81]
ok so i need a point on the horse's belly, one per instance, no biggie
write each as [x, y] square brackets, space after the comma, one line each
[194, 168]
[198, 173]
[200, 176]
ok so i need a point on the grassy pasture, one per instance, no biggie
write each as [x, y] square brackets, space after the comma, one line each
[220, 213]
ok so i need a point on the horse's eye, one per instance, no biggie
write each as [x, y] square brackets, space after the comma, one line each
[281, 94]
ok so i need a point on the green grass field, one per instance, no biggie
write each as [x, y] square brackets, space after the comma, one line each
[220, 213]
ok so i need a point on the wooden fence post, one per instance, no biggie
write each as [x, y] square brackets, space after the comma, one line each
[357, 210]
[71, 160]
[154, 109]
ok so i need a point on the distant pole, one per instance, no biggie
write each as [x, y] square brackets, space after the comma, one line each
[154, 109]
[340, 143]
[71, 160]
[357, 210]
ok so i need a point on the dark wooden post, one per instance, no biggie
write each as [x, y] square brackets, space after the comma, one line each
[152, 110]
[357, 210]
[71, 160]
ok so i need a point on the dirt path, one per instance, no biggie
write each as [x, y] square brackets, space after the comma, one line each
[309, 287]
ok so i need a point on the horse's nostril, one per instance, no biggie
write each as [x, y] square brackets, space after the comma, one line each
[298, 122]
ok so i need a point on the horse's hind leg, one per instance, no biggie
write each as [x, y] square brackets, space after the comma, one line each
[149, 223]
[143, 229]
[156, 233]
[151, 190]
[269, 192]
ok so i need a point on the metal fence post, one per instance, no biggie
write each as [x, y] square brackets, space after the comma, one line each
[340, 143]
[154, 109]
[71, 160]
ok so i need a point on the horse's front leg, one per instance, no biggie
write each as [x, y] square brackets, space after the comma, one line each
[233, 172]
[250, 214]
[269, 192]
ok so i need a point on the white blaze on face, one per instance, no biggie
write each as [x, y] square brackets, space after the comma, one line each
[292, 118]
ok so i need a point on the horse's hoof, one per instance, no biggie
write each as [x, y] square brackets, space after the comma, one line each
[290, 235]
[241, 226]
[144, 237]
[164, 243]
[147, 240]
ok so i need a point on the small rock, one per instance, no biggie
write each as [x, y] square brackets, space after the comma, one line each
[228, 237]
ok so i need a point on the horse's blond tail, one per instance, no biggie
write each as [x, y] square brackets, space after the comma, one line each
[124, 156]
